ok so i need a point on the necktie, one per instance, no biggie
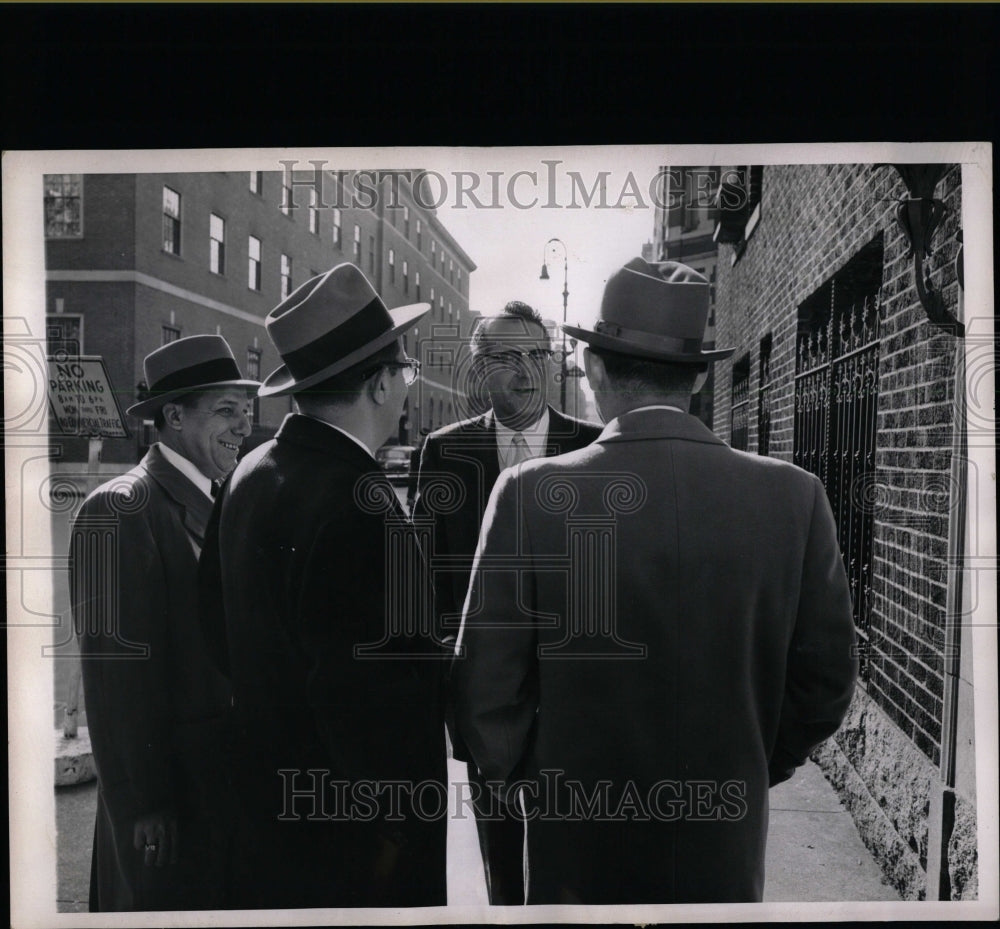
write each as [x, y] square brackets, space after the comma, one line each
[213, 489]
[519, 450]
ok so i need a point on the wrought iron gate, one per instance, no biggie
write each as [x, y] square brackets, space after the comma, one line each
[836, 402]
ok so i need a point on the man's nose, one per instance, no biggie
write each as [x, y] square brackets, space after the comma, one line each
[243, 426]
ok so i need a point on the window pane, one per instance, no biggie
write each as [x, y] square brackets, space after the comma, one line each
[63, 205]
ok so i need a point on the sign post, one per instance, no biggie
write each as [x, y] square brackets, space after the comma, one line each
[83, 403]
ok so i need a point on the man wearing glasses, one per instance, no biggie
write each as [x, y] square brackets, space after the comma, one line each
[315, 595]
[512, 361]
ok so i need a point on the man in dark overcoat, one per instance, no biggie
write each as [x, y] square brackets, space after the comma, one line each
[658, 627]
[316, 601]
[511, 358]
[155, 703]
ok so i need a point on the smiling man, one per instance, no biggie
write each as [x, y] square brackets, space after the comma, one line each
[154, 701]
[512, 359]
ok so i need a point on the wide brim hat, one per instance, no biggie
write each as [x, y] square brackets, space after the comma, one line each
[329, 324]
[654, 310]
[186, 366]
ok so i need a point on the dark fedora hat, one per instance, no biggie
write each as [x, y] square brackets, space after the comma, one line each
[329, 324]
[199, 362]
[654, 310]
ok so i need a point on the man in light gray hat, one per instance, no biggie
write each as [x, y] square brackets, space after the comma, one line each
[326, 633]
[657, 629]
[155, 703]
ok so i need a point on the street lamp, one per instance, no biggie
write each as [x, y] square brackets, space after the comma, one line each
[565, 295]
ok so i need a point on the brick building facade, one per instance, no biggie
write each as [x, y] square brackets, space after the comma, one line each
[838, 369]
[136, 260]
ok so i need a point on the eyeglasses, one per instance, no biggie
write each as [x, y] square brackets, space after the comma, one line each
[409, 366]
[535, 356]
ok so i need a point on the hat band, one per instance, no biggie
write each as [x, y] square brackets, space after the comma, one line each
[665, 343]
[206, 372]
[365, 326]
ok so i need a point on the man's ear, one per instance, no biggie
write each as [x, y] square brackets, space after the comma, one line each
[172, 416]
[593, 366]
[378, 386]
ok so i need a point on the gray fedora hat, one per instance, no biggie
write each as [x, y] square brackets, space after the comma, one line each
[654, 310]
[329, 324]
[199, 362]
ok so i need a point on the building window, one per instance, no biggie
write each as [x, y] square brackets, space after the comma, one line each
[442, 262]
[64, 335]
[451, 271]
[63, 206]
[216, 244]
[449, 311]
[286, 198]
[253, 374]
[459, 285]
[392, 266]
[357, 245]
[432, 300]
[256, 182]
[371, 254]
[420, 237]
[406, 221]
[286, 276]
[171, 221]
[741, 398]
[169, 334]
[433, 252]
[738, 203]
[764, 398]
[253, 249]
[837, 376]
[406, 276]
[441, 307]
[337, 231]
[313, 211]
[416, 281]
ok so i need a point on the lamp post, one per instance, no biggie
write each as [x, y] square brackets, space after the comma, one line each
[565, 295]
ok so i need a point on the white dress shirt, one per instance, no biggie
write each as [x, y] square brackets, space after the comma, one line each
[535, 437]
[187, 469]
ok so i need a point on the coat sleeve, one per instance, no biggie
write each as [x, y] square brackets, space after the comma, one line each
[822, 665]
[120, 607]
[496, 666]
[444, 599]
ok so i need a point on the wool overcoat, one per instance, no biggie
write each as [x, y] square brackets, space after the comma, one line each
[459, 466]
[155, 703]
[658, 628]
[315, 573]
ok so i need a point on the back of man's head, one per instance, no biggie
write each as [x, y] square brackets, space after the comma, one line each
[633, 379]
[346, 388]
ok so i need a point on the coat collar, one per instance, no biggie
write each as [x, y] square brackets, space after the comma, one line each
[658, 424]
[181, 490]
[321, 437]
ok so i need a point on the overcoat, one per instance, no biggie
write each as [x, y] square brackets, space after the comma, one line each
[155, 702]
[459, 466]
[658, 628]
[313, 569]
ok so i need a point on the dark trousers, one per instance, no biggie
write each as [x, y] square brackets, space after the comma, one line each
[501, 841]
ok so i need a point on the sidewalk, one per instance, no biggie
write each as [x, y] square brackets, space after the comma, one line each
[814, 853]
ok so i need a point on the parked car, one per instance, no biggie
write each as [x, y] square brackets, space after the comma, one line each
[395, 460]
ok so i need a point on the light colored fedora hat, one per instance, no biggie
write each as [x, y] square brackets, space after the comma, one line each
[654, 310]
[329, 324]
[199, 362]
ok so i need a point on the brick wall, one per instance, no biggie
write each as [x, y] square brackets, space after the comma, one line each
[814, 219]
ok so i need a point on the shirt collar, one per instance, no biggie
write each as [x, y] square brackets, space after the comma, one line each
[349, 435]
[656, 406]
[187, 468]
[534, 435]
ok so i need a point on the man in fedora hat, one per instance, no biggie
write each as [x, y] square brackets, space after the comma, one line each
[511, 358]
[326, 636]
[658, 627]
[155, 703]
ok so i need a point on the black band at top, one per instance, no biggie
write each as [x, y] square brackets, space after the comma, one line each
[363, 327]
[208, 372]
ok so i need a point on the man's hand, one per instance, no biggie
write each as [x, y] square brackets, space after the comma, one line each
[156, 834]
